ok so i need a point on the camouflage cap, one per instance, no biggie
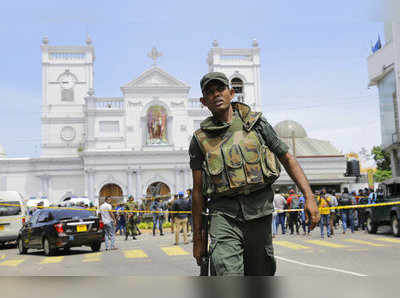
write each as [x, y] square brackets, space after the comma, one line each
[211, 76]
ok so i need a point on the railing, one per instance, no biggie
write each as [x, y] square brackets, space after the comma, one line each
[66, 55]
[194, 103]
[110, 103]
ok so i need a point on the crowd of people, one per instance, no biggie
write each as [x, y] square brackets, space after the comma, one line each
[177, 211]
[351, 219]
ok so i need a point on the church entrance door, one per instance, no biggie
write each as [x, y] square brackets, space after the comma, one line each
[111, 190]
[157, 190]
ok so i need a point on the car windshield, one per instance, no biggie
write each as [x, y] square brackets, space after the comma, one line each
[8, 208]
[72, 214]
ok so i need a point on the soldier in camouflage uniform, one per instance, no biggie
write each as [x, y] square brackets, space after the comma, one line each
[234, 158]
[131, 219]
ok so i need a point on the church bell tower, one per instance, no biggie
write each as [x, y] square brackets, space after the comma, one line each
[67, 75]
[242, 67]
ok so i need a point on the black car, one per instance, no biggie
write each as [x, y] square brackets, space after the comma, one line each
[389, 192]
[52, 229]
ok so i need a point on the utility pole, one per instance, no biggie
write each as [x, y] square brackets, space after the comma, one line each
[294, 154]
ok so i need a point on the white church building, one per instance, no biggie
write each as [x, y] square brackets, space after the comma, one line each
[137, 144]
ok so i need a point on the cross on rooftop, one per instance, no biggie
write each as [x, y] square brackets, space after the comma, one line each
[154, 55]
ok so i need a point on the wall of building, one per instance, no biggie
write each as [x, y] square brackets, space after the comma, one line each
[61, 186]
[387, 87]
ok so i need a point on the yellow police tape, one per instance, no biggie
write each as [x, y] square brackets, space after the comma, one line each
[167, 212]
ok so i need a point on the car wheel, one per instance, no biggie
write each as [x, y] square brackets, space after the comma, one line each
[21, 247]
[96, 246]
[395, 226]
[48, 249]
[371, 226]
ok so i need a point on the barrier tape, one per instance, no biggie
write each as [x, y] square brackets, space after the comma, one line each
[344, 207]
[97, 209]
[167, 212]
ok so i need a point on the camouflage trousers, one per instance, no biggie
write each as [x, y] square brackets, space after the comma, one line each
[240, 247]
[131, 229]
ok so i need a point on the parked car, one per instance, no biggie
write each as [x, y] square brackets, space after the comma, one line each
[52, 229]
[12, 215]
[389, 191]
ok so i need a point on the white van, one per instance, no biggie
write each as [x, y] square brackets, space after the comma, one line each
[12, 215]
[31, 205]
[74, 201]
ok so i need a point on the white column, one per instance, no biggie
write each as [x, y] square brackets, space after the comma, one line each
[182, 180]
[44, 180]
[130, 173]
[138, 184]
[91, 196]
[176, 180]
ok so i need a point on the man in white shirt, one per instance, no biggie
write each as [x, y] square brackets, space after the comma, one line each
[109, 220]
[280, 204]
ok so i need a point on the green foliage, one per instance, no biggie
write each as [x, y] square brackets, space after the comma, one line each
[381, 158]
[382, 175]
[149, 225]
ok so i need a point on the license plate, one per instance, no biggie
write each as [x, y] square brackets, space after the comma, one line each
[81, 228]
[1, 228]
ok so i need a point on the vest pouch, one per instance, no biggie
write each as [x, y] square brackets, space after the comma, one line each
[270, 165]
[251, 154]
[207, 183]
[215, 167]
[234, 166]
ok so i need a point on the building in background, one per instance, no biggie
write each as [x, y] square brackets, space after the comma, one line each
[137, 144]
[384, 72]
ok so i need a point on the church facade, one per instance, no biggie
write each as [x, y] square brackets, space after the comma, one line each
[135, 144]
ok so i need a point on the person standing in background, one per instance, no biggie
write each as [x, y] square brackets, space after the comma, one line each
[324, 205]
[180, 219]
[109, 219]
[347, 214]
[156, 208]
[280, 204]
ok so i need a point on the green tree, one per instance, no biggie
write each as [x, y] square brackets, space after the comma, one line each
[382, 160]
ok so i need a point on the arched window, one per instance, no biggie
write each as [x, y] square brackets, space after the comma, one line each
[157, 125]
[237, 86]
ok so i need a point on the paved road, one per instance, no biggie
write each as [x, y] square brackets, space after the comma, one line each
[350, 255]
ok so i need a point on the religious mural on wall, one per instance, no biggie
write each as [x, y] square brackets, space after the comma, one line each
[157, 125]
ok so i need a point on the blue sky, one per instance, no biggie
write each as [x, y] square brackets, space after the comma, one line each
[313, 57]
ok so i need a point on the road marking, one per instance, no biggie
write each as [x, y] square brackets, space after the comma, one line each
[392, 240]
[326, 243]
[364, 242]
[135, 254]
[52, 260]
[357, 249]
[291, 245]
[321, 267]
[174, 251]
[12, 263]
[2, 257]
[92, 257]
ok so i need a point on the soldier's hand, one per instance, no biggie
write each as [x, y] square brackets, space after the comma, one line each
[199, 246]
[312, 213]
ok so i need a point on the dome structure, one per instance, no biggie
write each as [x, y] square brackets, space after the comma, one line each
[285, 129]
[2, 152]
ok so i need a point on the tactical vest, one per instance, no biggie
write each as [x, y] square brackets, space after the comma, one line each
[236, 160]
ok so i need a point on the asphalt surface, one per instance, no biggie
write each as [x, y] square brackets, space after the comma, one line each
[352, 255]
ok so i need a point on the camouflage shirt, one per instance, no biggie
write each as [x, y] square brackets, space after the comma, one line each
[241, 207]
